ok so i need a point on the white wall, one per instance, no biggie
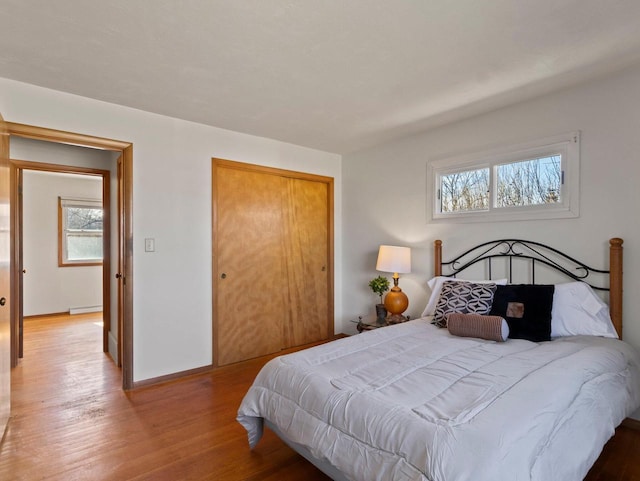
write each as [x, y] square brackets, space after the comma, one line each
[172, 329]
[49, 288]
[385, 191]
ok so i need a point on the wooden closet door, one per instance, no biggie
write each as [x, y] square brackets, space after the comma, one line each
[306, 241]
[249, 271]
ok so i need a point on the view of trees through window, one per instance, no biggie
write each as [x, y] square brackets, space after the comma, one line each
[83, 218]
[529, 182]
[464, 191]
[83, 233]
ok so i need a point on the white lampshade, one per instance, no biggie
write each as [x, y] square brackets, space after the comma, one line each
[394, 259]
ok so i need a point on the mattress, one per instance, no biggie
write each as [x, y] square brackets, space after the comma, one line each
[413, 402]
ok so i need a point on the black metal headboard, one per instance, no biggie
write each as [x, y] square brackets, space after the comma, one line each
[538, 253]
[522, 249]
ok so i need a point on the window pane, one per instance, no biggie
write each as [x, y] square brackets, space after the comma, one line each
[83, 218]
[464, 191]
[82, 247]
[530, 182]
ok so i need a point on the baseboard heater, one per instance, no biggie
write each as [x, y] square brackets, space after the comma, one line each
[84, 310]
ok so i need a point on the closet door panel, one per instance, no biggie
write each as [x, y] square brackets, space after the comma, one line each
[249, 270]
[306, 221]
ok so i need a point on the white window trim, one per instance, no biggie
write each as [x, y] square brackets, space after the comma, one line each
[567, 144]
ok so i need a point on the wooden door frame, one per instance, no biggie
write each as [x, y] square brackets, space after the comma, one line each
[5, 288]
[120, 256]
[125, 217]
[17, 178]
[224, 163]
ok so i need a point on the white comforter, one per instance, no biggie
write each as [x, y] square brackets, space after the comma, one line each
[412, 402]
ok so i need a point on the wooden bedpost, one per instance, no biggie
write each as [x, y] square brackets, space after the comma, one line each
[615, 283]
[437, 258]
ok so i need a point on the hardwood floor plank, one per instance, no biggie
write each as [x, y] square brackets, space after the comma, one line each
[72, 421]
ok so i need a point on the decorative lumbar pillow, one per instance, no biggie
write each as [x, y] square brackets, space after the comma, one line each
[463, 297]
[491, 328]
[435, 284]
[527, 310]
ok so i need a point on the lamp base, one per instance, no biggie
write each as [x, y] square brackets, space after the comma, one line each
[396, 301]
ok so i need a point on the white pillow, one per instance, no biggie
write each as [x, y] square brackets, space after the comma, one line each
[435, 285]
[577, 310]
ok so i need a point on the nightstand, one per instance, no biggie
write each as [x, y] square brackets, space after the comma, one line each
[371, 322]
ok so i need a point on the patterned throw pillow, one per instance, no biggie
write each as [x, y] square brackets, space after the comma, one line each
[463, 297]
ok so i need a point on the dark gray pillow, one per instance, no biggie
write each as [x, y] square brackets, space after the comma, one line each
[527, 309]
[463, 297]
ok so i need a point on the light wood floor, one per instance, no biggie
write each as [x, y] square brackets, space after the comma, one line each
[71, 421]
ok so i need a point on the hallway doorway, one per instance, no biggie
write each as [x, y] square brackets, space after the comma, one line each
[121, 269]
[63, 249]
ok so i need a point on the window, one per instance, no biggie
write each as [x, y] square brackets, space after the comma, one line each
[464, 191]
[80, 226]
[536, 180]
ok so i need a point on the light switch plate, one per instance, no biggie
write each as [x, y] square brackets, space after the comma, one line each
[149, 245]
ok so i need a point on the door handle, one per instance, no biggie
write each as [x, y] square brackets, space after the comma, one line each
[118, 276]
[3, 301]
[24, 271]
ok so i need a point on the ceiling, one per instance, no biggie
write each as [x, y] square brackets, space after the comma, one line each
[333, 75]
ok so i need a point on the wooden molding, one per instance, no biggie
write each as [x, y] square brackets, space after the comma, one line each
[292, 174]
[50, 314]
[63, 137]
[437, 258]
[183, 375]
[615, 283]
[62, 169]
[82, 140]
[176, 376]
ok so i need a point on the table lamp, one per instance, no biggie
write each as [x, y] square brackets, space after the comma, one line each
[397, 260]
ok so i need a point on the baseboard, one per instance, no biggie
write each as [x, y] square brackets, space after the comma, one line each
[171, 377]
[84, 310]
[631, 423]
[204, 369]
[50, 314]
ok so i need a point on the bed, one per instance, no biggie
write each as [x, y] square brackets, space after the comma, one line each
[413, 401]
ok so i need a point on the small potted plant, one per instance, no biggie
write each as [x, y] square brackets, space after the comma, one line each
[379, 286]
